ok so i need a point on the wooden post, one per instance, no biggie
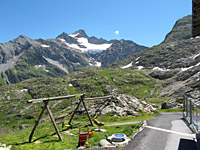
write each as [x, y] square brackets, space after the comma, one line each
[75, 111]
[53, 121]
[82, 99]
[37, 122]
[46, 101]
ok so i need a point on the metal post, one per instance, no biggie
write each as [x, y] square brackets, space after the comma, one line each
[184, 109]
[190, 111]
[196, 117]
[184, 103]
[186, 98]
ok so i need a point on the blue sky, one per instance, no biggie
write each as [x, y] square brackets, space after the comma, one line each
[145, 22]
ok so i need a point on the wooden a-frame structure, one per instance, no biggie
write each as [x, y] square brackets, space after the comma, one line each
[46, 101]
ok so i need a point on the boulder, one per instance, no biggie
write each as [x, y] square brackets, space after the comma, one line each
[122, 105]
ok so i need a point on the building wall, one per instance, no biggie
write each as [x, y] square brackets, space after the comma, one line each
[195, 18]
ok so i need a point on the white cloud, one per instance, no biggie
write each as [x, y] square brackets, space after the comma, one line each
[117, 32]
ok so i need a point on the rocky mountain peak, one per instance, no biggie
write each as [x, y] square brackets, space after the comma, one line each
[95, 40]
[182, 30]
[80, 33]
[67, 38]
[21, 42]
[21, 38]
[62, 35]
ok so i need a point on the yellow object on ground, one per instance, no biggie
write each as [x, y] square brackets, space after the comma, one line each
[69, 126]
[98, 123]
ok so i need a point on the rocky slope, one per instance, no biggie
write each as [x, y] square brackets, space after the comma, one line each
[24, 58]
[118, 51]
[176, 61]
[121, 105]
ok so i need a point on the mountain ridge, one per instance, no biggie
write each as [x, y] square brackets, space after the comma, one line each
[66, 53]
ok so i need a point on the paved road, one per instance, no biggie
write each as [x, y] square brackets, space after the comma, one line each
[166, 132]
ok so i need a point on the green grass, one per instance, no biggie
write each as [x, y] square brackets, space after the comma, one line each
[2, 82]
[156, 100]
[171, 110]
[92, 82]
[45, 133]
[100, 82]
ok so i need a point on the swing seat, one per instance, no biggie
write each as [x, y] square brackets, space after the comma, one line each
[68, 126]
[98, 123]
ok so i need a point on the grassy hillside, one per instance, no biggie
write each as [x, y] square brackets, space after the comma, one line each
[18, 117]
[101, 82]
[107, 81]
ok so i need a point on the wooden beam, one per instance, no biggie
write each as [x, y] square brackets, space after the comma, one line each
[75, 111]
[53, 121]
[195, 18]
[54, 98]
[97, 98]
[37, 122]
[82, 99]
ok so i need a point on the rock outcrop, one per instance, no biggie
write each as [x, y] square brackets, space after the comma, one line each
[120, 105]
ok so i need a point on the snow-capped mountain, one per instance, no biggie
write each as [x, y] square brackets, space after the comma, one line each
[79, 40]
[24, 58]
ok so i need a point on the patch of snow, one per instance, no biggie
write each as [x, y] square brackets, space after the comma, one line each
[43, 45]
[172, 45]
[62, 40]
[185, 69]
[24, 90]
[70, 85]
[127, 66]
[75, 46]
[137, 59]
[197, 37]
[74, 35]
[136, 62]
[140, 67]
[196, 56]
[197, 64]
[89, 46]
[41, 66]
[160, 69]
[98, 64]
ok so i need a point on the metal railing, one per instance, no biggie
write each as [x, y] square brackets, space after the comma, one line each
[191, 113]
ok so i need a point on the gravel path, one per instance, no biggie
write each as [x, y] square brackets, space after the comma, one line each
[125, 123]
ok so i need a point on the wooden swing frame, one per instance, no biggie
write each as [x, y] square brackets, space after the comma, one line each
[46, 101]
